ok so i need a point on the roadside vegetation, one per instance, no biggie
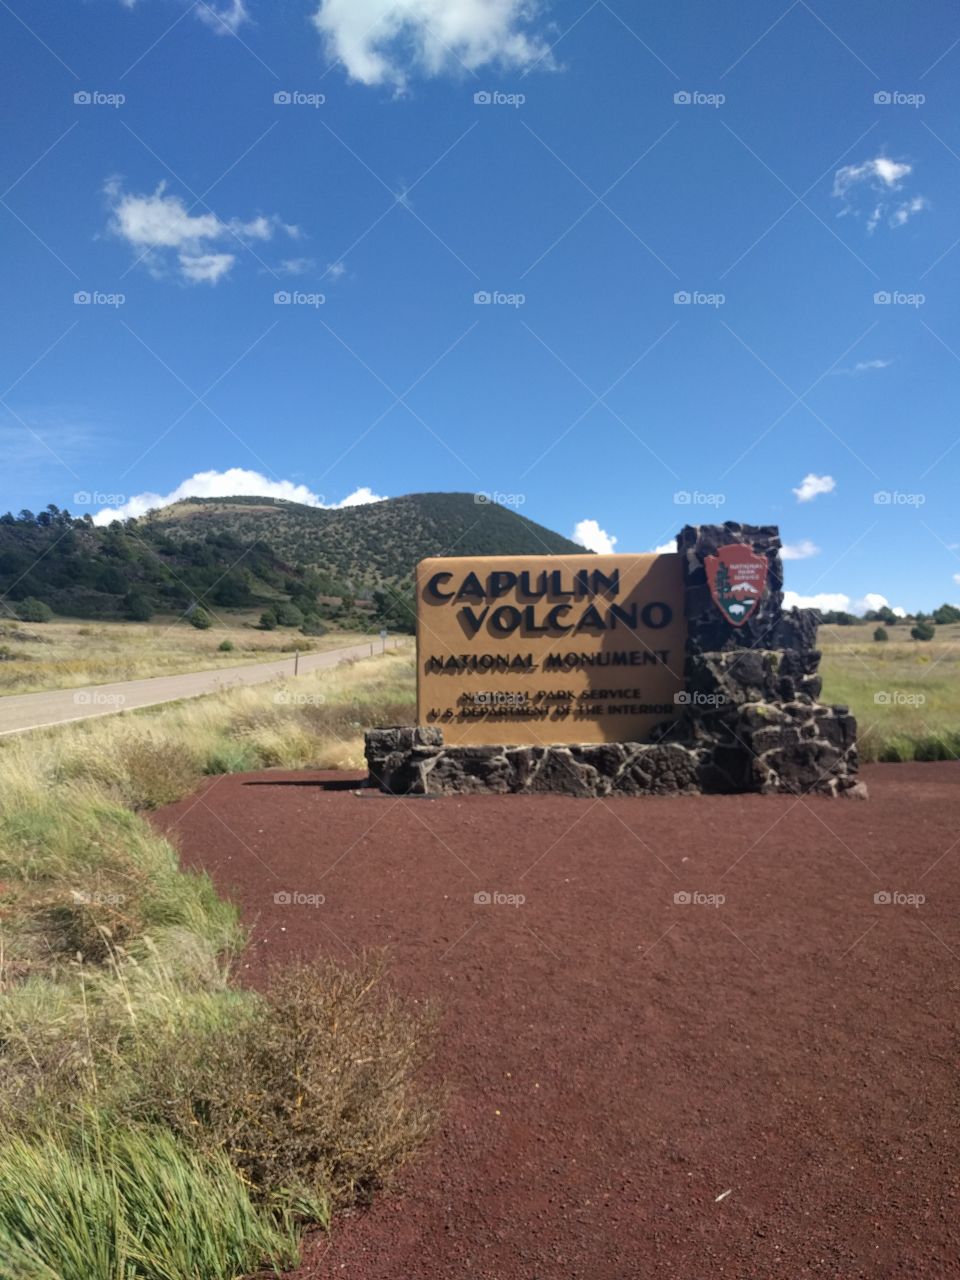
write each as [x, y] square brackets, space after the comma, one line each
[157, 1120]
[68, 655]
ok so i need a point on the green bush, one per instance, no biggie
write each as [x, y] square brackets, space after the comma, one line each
[226, 646]
[231, 757]
[200, 619]
[881, 634]
[138, 607]
[268, 620]
[288, 615]
[923, 631]
[34, 610]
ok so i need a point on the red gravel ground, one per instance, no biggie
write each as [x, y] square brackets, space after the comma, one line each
[640, 1087]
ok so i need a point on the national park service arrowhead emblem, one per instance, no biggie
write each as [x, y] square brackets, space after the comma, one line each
[737, 577]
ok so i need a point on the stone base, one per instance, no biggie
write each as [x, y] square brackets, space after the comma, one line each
[795, 748]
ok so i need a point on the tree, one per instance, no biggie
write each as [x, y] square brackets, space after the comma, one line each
[233, 589]
[137, 607]
[111, 580]
[200, 619]
[922, 631]
[945, 614]
[34, 610]
[268, 620]
[881, 634]
[288, 615]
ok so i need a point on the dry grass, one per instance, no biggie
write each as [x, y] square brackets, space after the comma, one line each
[67, 655]
[905, 693]
[312, 1090]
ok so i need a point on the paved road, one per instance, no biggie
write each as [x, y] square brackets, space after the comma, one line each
[37, 710]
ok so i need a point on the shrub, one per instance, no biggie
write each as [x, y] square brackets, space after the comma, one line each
[34, 610]
[200, 619]
[138, 607]
[154, 773]
[922, 631]
[312, 1094]
[268, 620]
[231, 757]
[225, 646]
[881, 634]
[288, 615]
[312, 626]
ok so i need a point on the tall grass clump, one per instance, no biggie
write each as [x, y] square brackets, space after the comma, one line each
[156, 1120]
[130, 1205]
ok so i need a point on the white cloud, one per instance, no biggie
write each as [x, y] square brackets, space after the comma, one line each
[382, 41]
[956, 578]
[663, 548]
[359, 498]
[866, 366]
[295, 266]
[880, 173]
[811, 485]
[876, 179]
[153, 223]
[205, 268]
[905, 211]
[335, 270]
[801, 550]
[234, 482]
[589, 534]
[824, 601]
[873, 600]
[223, 20]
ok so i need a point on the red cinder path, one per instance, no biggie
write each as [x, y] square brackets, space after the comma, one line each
[639, 1087]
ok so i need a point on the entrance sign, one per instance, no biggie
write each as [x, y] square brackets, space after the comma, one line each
[533, 650]
[737, 578]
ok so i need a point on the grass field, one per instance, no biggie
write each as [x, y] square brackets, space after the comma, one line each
[905, 693]
[151, 1123]
[67, 655]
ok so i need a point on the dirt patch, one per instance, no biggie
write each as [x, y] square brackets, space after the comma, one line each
[754, 1087]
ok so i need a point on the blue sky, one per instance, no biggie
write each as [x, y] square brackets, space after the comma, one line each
[719, 246]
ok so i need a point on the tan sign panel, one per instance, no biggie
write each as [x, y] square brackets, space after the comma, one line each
[541, 649]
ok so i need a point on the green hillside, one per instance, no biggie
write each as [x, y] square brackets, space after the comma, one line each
[351, 567]
[370, 545]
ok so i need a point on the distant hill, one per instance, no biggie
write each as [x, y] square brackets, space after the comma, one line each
[350, 567]
[370, 545]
